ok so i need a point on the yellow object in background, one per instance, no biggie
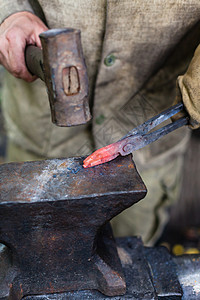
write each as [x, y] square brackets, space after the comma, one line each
[192, 251]
[178, 249]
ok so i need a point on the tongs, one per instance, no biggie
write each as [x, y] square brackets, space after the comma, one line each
[138, 137]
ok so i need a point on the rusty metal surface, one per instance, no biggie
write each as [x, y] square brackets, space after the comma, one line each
[54, 218]
[60, 179]
[163, 272]
[188, 270]
[66, 76]
[61, 65]
[136, 270]
[151, 273]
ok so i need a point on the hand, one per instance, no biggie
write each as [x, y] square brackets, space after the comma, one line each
[188, 90]
[17, 31]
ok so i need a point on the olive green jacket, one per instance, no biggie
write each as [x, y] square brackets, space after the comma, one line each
[134, 51]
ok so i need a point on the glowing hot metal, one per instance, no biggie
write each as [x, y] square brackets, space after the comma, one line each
[138, 137]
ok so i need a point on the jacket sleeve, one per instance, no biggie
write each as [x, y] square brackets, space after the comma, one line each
[188, 90]
[10, 7]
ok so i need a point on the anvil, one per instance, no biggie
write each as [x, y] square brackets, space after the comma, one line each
[54, 219]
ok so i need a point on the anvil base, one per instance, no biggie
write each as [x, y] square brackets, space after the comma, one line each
[54, 220]
[150, 273]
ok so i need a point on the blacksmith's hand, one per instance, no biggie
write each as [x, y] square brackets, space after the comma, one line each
[17, 31]
[188, 90]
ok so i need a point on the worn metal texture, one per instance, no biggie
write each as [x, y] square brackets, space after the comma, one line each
[164, 275]
[54, 219]
[136, 271]
[65, 76]
[150, 273]
[188, 270]
[61, 65]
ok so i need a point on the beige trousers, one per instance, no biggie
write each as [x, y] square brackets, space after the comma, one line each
[148, 217]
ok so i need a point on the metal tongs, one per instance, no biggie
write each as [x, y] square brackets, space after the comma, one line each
[138, 137]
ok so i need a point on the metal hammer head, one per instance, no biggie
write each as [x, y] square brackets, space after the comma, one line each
[65, 76]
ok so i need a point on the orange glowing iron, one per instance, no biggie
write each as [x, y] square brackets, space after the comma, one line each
[138, 137]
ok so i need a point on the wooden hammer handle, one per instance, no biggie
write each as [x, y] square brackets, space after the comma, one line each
[34, 61]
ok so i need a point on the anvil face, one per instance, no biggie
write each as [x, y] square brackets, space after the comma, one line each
[54, 217]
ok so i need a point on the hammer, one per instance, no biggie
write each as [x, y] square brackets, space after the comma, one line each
[60, 64]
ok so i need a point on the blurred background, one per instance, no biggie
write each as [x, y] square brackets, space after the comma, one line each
[182, 234]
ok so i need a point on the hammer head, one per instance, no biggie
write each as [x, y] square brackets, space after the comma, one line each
[65, 76]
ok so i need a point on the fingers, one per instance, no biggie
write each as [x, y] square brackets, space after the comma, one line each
[189, 89]
[16, 32]
[14, 55]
